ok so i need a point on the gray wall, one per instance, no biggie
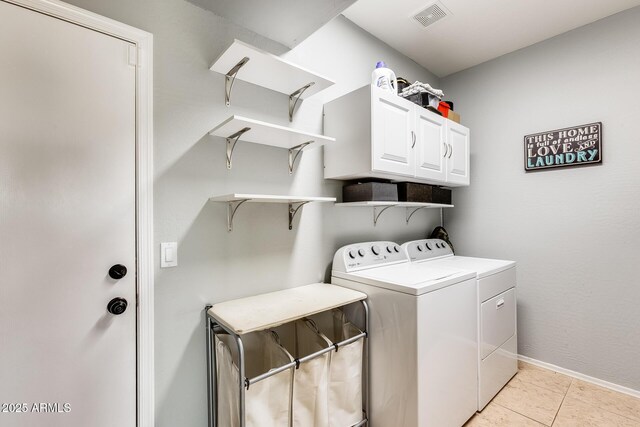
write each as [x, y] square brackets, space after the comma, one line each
[261, 254]
[575, 233]
[294, 21]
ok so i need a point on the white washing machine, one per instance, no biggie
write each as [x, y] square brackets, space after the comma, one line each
[423, 335]
[497, 331]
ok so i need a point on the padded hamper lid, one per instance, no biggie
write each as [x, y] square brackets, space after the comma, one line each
[266, 311]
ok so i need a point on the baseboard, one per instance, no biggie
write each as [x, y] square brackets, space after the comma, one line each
[582, 377]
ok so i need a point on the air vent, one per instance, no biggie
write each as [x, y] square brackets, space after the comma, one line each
[431, 14]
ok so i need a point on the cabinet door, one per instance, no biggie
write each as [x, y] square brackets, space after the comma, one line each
[392, 133]
[430, 146]
[458, 155]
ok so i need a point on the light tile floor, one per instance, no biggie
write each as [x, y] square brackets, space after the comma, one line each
[537, 397]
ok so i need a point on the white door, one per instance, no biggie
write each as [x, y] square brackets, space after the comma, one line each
[458, 156]
[430, 146]
[393, 133]
[67, 215]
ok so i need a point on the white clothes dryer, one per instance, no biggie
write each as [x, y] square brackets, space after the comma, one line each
[497, 325]
[423, 335]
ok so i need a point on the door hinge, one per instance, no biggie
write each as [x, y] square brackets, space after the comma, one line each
[133, 55]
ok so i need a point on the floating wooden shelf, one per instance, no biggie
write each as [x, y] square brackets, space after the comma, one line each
[260, 312]
[412, 207]
[238, 128]
[295, 203]
[245, 62]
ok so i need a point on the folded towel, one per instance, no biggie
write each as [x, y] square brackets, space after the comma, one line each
[419, 87]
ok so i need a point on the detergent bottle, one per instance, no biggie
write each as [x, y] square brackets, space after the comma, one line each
[384, 78]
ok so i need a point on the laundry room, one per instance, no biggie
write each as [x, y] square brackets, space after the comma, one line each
[319, 213]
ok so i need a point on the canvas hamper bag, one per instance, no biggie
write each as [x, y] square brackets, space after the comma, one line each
[310, 384]
[345, 373]
[268, 402]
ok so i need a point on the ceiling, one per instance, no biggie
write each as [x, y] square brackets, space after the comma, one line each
[475, 31]
[287, 22]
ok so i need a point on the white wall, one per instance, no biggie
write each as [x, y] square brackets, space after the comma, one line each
[574, 232]
[261, 254]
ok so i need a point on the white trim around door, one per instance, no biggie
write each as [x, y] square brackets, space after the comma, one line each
[144, 170]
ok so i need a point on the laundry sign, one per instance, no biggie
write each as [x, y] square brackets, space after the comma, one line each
[574, 146]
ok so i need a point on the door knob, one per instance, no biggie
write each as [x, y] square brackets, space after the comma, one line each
[117, 306]
[117, 271]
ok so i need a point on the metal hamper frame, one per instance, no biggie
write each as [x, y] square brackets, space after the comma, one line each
[214, 327]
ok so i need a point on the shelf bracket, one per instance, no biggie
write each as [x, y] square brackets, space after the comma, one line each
[376, 213]
[232, 208]
[409, 215]
[295, 97]
[232, 140]
[294, 153]
[230, 78]
[293, 211]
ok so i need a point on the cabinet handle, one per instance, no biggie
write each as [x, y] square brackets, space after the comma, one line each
[446, 149]
[413, 138]
[500, 303]
[450, 151]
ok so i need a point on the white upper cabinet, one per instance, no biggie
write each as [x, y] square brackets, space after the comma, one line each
[380, 135]
[430, 147]
[458, 155]
[392, 134]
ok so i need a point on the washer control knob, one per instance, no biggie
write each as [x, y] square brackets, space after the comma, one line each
[389, 249]
[361, 252]
[419, 248]
[396, 248]
[375, 249]
[427, 246]
[439, 246]
[352, 255]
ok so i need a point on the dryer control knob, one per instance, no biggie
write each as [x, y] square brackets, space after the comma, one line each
[389, 249]
[396, 248]
[352, 255]
[361, 252]
[375, 249]
[419, 248]
[427, 246]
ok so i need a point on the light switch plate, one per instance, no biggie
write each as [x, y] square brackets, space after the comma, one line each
[168, 254]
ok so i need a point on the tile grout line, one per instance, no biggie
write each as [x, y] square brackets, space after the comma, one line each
[522, 415]
[608, 411]
[562, 403]
[527, 383]
[572, 383]
[597, 405]
[546, 388]
[581, 377]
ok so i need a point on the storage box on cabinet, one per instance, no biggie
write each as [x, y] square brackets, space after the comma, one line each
[423, 193]
[381, 135]
[370, 191]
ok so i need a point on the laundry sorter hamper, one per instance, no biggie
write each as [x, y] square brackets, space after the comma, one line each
[256, 380]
